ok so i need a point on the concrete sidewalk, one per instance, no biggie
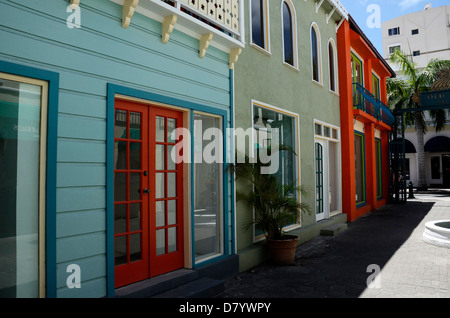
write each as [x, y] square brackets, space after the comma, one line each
[387, 242]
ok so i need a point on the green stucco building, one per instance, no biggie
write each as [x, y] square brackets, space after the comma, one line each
[286, 78]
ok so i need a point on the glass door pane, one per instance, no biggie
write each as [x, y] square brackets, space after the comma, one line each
[128, 189]
[167, 180]
[20, 131]
[334, 175]
[319, 179]
[207, 193]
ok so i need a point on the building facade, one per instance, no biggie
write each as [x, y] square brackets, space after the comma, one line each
[91, 93]
[114, 134]
[290, 72]
[437, 156]
[365, 122]
[423, 35]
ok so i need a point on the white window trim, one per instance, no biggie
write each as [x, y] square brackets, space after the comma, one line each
[338, 141]
[319, 52]
[393, 29]
[293, 35]
[393, 45]
[297, 151]
[266, 29]
[336, 67]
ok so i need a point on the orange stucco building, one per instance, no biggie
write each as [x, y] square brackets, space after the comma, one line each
[365, 122]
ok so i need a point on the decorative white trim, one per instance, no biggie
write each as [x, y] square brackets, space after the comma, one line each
[158, 10]
[204, 42]
[339, 24]
[234, 56]
[330, 14]
[167, 27]
[327, 141]
[318, 5]
[127, 12]
[74, 4]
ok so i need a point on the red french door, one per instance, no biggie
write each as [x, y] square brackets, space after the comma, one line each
[148, 193]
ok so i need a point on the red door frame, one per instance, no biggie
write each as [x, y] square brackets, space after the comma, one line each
[138, 270]
[160, 264]
[151, 264]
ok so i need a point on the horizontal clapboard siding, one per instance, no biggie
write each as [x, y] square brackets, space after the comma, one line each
[34, 33]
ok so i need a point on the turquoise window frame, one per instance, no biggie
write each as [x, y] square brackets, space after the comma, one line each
[363, 168]
[227, 222]
[52, 78]
[379, 162]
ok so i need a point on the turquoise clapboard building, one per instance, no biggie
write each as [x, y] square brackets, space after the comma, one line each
[95, 70]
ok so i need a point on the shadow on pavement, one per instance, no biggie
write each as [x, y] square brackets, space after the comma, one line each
[334, 266]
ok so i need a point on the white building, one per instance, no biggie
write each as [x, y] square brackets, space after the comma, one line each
[424, 35]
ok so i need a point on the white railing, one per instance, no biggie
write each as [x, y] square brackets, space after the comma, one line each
[222, 14]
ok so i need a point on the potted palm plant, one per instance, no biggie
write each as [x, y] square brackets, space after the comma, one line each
[275, 206]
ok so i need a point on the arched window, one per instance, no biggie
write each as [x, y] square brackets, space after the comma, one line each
[259, 27]
[332, 65]
[315, 53]
[289, 34]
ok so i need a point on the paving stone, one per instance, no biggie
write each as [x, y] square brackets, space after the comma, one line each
[337, 266]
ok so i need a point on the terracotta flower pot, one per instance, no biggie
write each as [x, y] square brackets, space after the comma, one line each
[282, 252]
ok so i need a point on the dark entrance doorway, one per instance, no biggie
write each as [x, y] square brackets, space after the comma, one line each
[446, 171]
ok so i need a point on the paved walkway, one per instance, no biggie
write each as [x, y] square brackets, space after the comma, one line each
[387, 242]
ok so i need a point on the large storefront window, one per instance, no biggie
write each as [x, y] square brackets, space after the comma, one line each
[207, 187]
[22, 180]
[265, 119]
[360, 169]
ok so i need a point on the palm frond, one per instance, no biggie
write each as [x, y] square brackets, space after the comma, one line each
[435, 65]
[275, 205]
[440, 118]
[406, 64]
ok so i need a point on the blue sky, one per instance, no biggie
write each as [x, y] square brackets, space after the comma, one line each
[389, 9]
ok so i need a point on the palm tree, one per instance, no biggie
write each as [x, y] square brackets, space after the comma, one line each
[405, 92]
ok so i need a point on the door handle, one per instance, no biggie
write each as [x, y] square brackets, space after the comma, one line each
[146, 191]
